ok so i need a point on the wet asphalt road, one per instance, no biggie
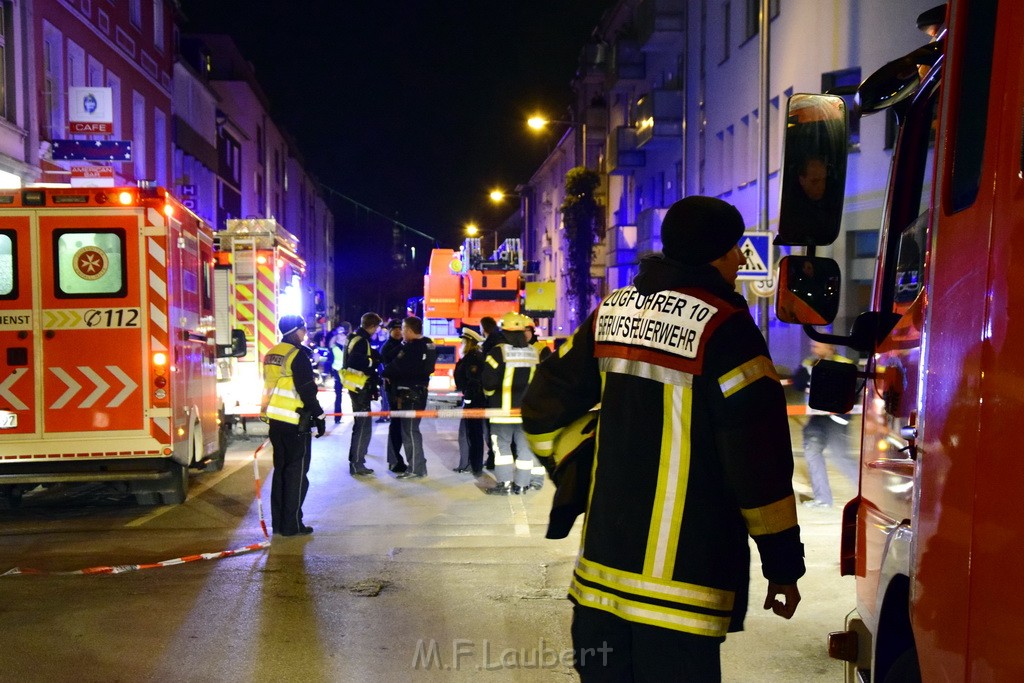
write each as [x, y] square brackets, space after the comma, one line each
[425, 580]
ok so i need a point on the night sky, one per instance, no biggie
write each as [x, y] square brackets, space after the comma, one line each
[414, 108]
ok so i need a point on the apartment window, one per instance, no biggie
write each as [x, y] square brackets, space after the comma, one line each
[158, 24]
[160, 147]
[114, 83]
[139, 135]
[753, 14]
[53, 83]
[95, 77]
[726, 29]
[135, 13]
[6, 62]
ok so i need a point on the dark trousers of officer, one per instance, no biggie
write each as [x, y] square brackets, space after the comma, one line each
[412, 398]
[613, 650]
[394, 435]
[362, 427]
[290, 483]
[471, 444]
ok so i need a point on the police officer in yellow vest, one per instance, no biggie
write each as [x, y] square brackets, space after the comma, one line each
[290, 406]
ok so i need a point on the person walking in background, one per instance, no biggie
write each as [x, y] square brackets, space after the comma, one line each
[336, 346]
[361, 362]
[291, 408]
[469, 380]
[410, 373]
[388, 352]
[823, 433]
[508, 370]
[692, 455]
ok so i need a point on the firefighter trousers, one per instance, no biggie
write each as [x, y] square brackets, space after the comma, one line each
[608, 649]
[290, 483]
[513, 459]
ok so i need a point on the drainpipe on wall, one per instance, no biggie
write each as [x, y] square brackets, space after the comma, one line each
[762, 151]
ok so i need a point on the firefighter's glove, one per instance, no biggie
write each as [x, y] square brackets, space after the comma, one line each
[321, 426]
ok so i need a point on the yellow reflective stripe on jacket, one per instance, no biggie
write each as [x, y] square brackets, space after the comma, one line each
[746, 374]
[641, 612]
[281, 401]
[673, 478]
[771, 518]
[654, 587]
[542, 444]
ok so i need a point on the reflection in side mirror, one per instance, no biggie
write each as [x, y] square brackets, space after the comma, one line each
[808, 292]
[814, 170]
[833, 386]
[236, 349]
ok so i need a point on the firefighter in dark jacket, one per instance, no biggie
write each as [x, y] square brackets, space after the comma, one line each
[291, 408]
[508, 369]
[360, 378]
[388, 352]
[692, 456]
[410, 374]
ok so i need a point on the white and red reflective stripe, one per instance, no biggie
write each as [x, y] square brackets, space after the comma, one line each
[107, 454]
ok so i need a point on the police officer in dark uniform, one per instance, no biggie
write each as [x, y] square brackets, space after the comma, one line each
[388, 352]
[362, 357]
[291, 408]
[410, 374]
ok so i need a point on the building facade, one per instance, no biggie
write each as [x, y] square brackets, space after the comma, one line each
[674, 86]
[186, 114]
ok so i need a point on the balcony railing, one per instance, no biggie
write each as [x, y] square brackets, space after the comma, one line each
[627, 63]
[623, 157]
[659, 117]
[660, 23]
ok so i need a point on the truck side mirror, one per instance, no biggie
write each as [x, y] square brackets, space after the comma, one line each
[236, 349]
[814, 170]
[808, 291]
[833, 386]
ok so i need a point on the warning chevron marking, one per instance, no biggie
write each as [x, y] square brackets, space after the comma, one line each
[100, 387]
[5, 389]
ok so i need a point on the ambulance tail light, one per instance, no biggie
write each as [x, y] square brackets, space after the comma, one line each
[160, 375]
[168, 210]
[126, 198]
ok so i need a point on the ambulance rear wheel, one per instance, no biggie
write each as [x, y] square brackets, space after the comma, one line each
[216, 461]
[179, 485]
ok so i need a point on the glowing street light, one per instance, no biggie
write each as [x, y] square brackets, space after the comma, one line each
[539, 123]
[498, 195]
[472, 230]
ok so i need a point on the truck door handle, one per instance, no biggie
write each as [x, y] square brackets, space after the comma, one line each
[909, 432]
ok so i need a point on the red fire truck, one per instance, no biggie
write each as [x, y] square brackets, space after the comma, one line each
[107, 327]
[934, 535]
[257, 280]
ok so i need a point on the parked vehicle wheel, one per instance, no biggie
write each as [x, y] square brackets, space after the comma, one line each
[905, 669]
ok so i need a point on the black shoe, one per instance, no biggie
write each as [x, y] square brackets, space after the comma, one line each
[356, 469]
[337, 420]
[535, 485]
[303, 531]
[502, 489]
[479, 472]
[519, 490]
[383, 419]
[399, 468]
[410, 475]
[461, 469]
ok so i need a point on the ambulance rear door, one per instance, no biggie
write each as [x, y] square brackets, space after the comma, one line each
[91, 319]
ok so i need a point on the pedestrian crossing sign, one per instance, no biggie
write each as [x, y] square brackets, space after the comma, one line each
[757, 250]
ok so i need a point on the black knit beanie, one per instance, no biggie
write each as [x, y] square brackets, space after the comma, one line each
[698, 230]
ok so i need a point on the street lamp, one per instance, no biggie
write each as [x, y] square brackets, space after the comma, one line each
[472, 229]
[540, 123]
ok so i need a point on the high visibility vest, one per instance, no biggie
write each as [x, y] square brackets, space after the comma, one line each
[337, 358]
[280, 400]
